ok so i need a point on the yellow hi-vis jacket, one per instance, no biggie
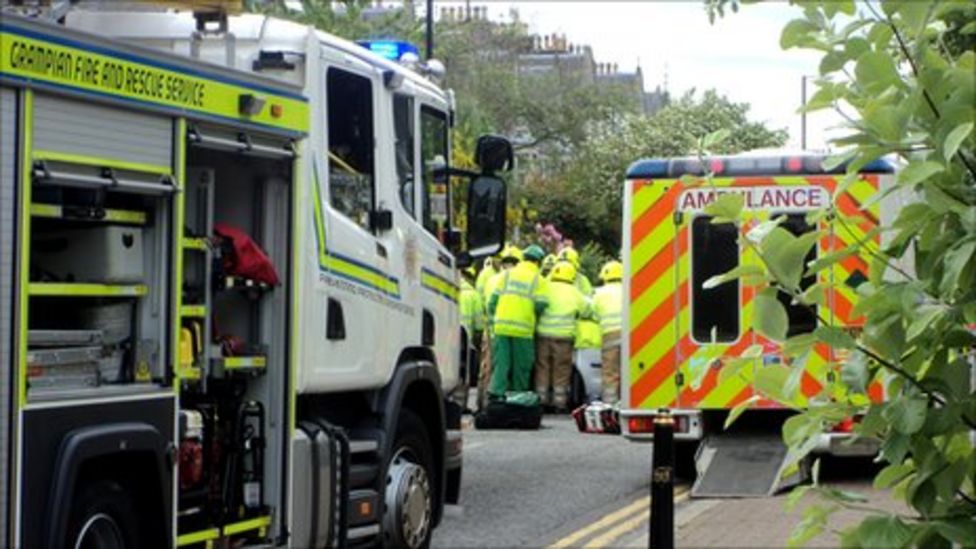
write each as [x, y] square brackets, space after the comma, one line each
[472, 308]
[519, 296]
[486, 274]
[565, 304]
[607, 303]
[587, 330]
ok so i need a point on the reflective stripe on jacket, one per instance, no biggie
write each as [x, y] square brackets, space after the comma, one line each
[607, 304]
[566, 304]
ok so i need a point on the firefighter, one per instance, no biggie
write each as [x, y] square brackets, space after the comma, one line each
[607, 303]
[572, 256]
[547, 264]
[514, 306]
[473, 320]
[507, 259]
[555, 335]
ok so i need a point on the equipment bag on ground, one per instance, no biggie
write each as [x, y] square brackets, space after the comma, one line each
[519, 410]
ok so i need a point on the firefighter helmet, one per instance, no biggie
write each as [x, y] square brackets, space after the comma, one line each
[511, 254]
[563, 272]
[571, 255]
[612, 271]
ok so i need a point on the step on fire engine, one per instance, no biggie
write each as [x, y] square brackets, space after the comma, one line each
[676, 327]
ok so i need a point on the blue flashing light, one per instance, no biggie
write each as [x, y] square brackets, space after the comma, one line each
[389, 49]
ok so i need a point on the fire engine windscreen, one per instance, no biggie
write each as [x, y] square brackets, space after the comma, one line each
[714, 251]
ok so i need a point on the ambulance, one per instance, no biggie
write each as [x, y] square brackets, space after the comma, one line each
[228, 287]
[680, 334]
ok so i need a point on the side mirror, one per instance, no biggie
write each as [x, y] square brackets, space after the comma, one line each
[486, 216]
[494, 153]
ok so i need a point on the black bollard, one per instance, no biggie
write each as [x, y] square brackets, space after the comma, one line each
[662, 483]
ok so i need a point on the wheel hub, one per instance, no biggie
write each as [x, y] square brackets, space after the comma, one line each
[408, 503]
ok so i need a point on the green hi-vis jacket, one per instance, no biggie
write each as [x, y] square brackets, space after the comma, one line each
[520, 296]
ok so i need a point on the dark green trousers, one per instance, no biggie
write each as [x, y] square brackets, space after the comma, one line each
[512, 361]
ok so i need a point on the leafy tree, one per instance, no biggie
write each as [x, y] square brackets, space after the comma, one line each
[584, 199]
[903, 78]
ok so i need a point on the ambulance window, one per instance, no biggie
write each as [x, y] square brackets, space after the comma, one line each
[403, 121]
[433, 150]
[350, 123]
[803, 318]
[714, 250]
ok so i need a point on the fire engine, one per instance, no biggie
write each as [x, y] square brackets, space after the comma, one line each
[677, 327]
[228, 284]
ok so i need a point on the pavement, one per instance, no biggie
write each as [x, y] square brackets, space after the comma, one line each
[559, 488]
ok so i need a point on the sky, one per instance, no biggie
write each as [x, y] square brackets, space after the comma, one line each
[672, 40]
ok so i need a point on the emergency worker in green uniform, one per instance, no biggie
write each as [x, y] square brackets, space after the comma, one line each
[513, 308]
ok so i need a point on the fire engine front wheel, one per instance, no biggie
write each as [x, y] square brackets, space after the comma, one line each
[408, 517]
[103, 517]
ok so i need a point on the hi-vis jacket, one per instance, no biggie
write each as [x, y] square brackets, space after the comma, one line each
[472, 308]
[566, 305]
[521, 293]
[607, 303]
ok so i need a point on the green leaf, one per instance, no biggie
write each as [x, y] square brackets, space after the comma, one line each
[727, 207]
[832, 62]
[769, 315]
[876, 72]
[856, 46]
[796, 495]
[739, 408]
[742, 271]
[955, 139]
[888, 531]
[892, 474]
[916, 172]
[771, 380]
[906, 415]
[922, 322]
[832, 258]
[716, 137]
[835, 337]
[957, 259]
[799, 344]
[854, 372]
[796, 33]
[961, 530]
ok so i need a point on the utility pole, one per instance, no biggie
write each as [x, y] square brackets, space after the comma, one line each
[803, 112]
[430, 29]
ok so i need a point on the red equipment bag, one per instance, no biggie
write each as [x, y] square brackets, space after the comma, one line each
[248, 260]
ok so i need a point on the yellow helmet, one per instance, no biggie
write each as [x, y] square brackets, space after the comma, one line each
[471, 271]
[612, 271]
[549, 262]
[563, 272]
[511, 253]
[570, 255]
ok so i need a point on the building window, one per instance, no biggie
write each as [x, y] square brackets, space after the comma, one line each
[715, 311]
[350, 123]
[403, 124]
[435, 189]
[803, 318]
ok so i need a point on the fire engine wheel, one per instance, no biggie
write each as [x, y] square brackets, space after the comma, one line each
[103, 517]
[409, 510]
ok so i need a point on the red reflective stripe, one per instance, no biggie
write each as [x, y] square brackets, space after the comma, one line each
[652, 271]
[809, 386]
[651, 218]
[661, 371]
[691, 396]
[658, 319]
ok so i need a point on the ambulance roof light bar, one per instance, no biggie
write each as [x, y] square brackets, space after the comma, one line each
[743, 165]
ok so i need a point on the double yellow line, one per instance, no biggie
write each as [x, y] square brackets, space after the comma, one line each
[616, 524]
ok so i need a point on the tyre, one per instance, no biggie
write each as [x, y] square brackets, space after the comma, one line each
[103, 516]
[409, 511]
